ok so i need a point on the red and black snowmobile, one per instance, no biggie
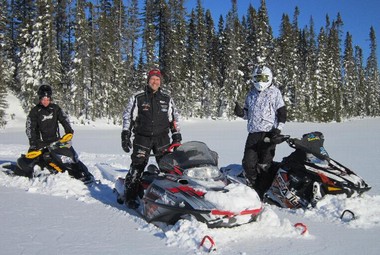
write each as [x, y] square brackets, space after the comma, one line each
[189, 182]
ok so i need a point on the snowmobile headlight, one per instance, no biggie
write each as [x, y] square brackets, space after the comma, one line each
[203, 172]
[66, 159]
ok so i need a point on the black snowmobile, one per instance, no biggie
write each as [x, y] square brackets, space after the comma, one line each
[189, 182]
[56, 157]
[307, 174]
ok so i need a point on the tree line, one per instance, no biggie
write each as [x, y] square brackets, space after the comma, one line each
[95, 55]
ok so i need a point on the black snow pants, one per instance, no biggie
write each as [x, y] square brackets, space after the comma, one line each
[142, 146]
[258, 156]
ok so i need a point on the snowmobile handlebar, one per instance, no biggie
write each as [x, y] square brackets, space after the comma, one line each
[277, 139]
[170, 149]
[285, 138]
[57, 144]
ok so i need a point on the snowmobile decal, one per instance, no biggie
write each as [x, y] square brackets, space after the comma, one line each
[188, 190]
[230, 214]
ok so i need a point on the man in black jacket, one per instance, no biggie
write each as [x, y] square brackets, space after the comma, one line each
[42, 129]
[150, 115]
[42, 122]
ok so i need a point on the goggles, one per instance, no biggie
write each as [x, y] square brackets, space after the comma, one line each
[261, 78]
[155, 72]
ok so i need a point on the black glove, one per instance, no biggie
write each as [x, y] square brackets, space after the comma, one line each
[275, 136]
[275, 132]
[176, 138]
[238, 110]
[33, 146]
[126, 140]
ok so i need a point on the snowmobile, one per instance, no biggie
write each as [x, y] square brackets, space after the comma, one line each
[56, 157]
[308, 174]
[188, 182]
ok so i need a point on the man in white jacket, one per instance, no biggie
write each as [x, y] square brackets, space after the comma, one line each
[265, 112]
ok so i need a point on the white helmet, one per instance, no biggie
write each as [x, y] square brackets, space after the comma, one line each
[262, 77]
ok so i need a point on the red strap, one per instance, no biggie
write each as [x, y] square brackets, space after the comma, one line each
[211, 241]
[301, 226]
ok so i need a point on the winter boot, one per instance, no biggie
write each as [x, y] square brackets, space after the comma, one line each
[80, 172]
[132, 186]
[131, 192]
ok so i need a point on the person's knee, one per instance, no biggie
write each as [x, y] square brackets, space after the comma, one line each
[249, 164]
[263, 167]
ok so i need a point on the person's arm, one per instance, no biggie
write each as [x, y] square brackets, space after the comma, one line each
[63, 118]
[32, 130]
[281, 117]
[174, 122]
[129, 117]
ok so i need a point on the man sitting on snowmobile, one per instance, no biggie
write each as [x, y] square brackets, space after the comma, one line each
[265, 111]
[150, 114]
[42, 129]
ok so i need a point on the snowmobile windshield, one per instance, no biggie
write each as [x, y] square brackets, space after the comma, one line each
[189, 155]
[59, 144]
[315, 160]
[312, 143]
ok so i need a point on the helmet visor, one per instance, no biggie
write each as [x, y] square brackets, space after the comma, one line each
[261, 78]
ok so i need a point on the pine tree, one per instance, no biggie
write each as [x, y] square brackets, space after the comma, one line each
[5, 63]
[234, 58]
[285, 61]
[63, 22]
[309, 56]
[117, 47]
[23, 14]
[51, 63]
[149, 35]
[372, 78]
[323, 100]
[211, 65]
[191, 67]
[249, 24]
[93, 79]
[350, 94]
[131, 81]
[335, 64]
[175, 53]
[222, 60]
[264, 37]
[31, 71]
[81, 72]
[360, 82]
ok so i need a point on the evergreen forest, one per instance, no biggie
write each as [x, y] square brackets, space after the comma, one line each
[96, 53]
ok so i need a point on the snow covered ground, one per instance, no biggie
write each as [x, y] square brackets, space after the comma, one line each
[60, 215]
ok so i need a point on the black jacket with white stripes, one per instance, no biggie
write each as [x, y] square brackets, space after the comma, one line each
[150, 113]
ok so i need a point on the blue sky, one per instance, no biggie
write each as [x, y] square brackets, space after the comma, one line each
[358, 15]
